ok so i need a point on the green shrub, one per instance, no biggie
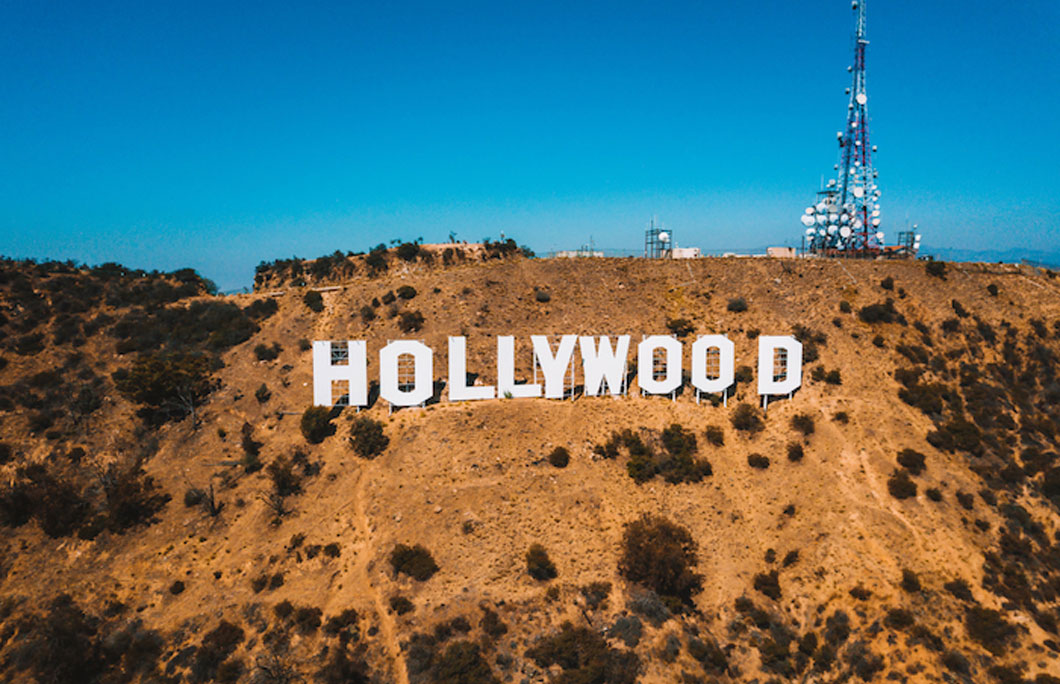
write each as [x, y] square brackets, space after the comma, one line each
[803, 423]
[407, 251]
[285, 481]
[768, 584]
[661, 556]
[936, 269]
[715, 435]
[367, 314]
[988, 628]
[414, 561]
[367, 437]
[910, 582]
[887, 283]
[844, 306]
[406, 292]
[316, 424]
[585, 657]
[168, 386]
[900, 486]
[267, 353]
[401, 605]
[758, 461]
[559, 457]
[737, 304]
[911, 460]
[262, 393]
[992, 289]
[542, 296]
[795, 452]
[681, 327]
[314, 300]
[538, 564]
[410, 321]
[747, 418]
[260, 309]
[879, 313]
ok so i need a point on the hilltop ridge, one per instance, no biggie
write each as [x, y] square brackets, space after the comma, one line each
[896, 518]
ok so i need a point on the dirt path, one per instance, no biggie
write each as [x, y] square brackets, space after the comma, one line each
[387, 628]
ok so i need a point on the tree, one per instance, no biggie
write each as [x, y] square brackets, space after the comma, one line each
[661, 556]
[169, 386]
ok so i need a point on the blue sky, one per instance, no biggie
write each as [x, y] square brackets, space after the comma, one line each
[215, 135]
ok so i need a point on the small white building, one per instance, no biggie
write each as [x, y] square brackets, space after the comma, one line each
[685, 253]
[781, 252]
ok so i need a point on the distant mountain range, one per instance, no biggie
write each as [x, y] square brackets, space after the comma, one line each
[1036, 256]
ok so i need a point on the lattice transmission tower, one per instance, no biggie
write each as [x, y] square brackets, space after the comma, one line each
[845, 219]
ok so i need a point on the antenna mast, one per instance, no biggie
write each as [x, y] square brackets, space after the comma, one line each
[845, 221]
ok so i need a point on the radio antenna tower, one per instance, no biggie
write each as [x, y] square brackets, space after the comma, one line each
[845, 220]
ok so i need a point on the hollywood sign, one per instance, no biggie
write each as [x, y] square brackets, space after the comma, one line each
[406, 368]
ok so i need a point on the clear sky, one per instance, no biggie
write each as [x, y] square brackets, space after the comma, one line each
[215, 135]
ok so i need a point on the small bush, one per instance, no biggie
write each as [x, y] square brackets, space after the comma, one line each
[844, 306]
[737, 304]
[316, 424]
[989, 629]
[367, 314]
[408, 251]
[410, 321]
[910, 582]
[538, 564]
[900, 486]
[879, 313]
[406, 292]
[491, 623]
[681, 327]
[768, 584]
[262, 393]
[285, 481]
[934, 494]
[887, 283]
[367, 437]
[314, 300]
[959, 589]
[758, 461]
[803, 423]
[992, 289]
[747, 418]
[715, 435]
[267, 353]
[661, 556]
[414, 561]
[936, 269]
[585, 657]
[911, 460]
[559, 457]
[401, 605]
[878, 341]
[795, 452]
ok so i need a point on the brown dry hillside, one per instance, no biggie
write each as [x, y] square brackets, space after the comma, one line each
[166, 518]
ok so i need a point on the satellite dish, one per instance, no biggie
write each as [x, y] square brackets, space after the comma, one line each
[861, 98]
[821, 218]
[831, 230]
[876, 212]
[821, 231]
[832, 218]
[879, 236]
[859, 192]
[808, 220]
[845, 232]
[809, 210]
[875, 222]
[820, 207]
[831, 182]
[810, 231]
[664, 237]
[858, 224]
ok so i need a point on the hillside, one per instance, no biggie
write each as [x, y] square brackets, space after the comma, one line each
[166, 518]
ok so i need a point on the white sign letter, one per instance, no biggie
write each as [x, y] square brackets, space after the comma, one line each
[646, 368]
[779, 364]
[355, 372]
[726, 363]
[506, 386]
[458, 387]
[601, 363]
[554, 368]
[423, 373]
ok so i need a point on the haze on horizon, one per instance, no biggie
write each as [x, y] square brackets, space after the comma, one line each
[217, 136]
